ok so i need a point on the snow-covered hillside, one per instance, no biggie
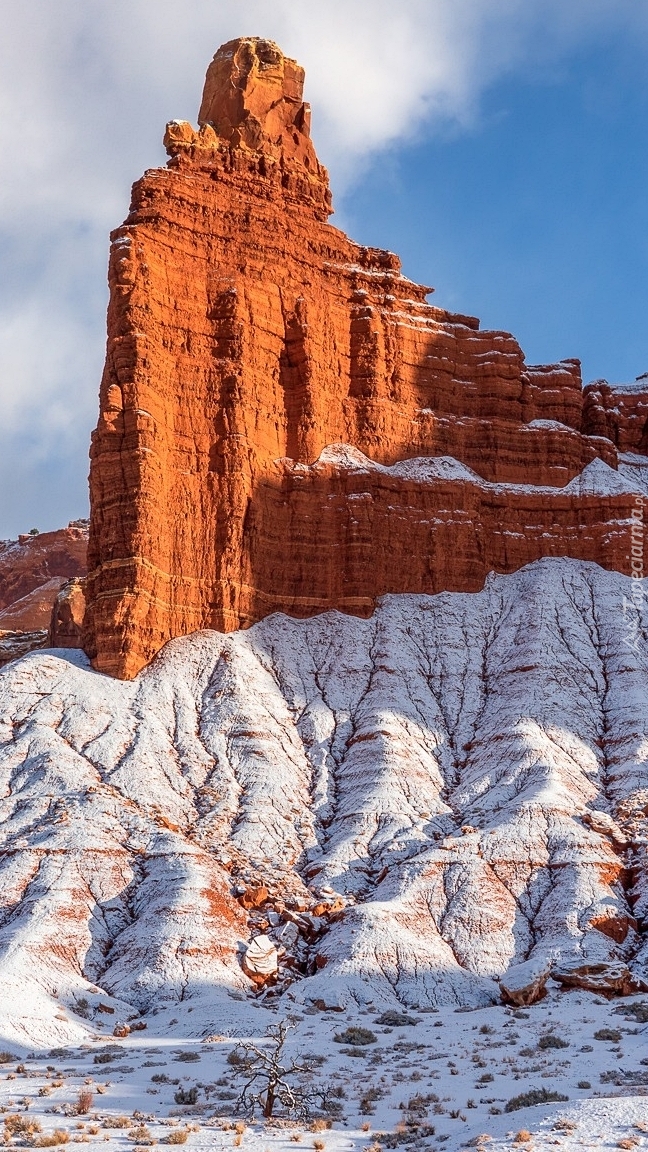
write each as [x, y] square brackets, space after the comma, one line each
[431, 798]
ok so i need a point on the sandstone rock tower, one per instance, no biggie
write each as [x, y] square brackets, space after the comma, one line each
[270, 389]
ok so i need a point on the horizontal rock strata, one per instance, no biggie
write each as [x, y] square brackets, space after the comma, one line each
[244, 329]
[33, 570]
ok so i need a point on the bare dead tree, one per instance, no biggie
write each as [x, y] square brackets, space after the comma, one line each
[270, 1080]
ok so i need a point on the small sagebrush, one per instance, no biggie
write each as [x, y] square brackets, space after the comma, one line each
[84, 1101]
[552, 1041]
[186, 1096]
[355, 1036]
[178, 1136]
[534, 1096]
[393, 1019]
[17, 1124]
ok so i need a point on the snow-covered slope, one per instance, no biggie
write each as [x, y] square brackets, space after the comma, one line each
[431, 797]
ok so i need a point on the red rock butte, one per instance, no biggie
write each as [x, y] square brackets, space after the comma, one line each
[286, 424]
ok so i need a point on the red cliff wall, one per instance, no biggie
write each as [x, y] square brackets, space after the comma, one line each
[243, 329]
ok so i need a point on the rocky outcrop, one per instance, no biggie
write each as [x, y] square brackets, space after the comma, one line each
[33, 561]
[33, 571]
[406, 809]
[246, 336]
[13, 645]
[618, 412]
[67, 615]
[525, 983]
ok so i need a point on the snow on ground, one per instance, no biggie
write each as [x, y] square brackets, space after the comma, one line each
[444, 1080]
[406, 809]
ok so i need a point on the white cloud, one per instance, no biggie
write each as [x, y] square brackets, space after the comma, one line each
[85, 91]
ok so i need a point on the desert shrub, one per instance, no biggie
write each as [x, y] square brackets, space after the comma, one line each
[522, 1136]
[638, 1012]
[393, 1019]
[552, 1041]
[584, 1084]
[7, 1057]
[356, 1036]
[188, 1057]
[486, 1030]
[59, 1053]
[116, 1122]
[84, 1101]
[178, 1136]
[17, 1124]
[186, 1096]
[105, 1057]
[160, 1078]
[611, 1034]
[52, 1139]
[564, 1124]
[486, 1078]
[141, 1135]
[368, 1100]
[534, 1096]
[419, 1104]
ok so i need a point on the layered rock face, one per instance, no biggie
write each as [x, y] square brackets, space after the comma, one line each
[246, 336]
[33, 570]
[413, 808]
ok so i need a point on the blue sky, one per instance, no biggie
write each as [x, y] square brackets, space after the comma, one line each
[499, 146]
[535, 218]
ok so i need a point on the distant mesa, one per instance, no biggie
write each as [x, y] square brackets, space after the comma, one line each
[253, 348]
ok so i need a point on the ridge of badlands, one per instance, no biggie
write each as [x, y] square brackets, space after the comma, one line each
[408, 808]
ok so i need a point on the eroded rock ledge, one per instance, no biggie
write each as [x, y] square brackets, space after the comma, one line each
[244, 329]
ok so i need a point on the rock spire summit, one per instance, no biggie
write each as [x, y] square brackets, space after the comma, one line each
[286, 424]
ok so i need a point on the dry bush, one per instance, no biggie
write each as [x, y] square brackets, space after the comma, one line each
[94, 1129]
[296, 1138]
[116, 1122]
[627, 1142]
[178, 1136]
[355, 1035]
[141, 1135]
[533, 1096]
[52, 1139]
[321, 1125]
[319, 1144]
[551, 1041]
[564, 1124]
[522, 1137]
[19, 1125]
[85, 1100]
